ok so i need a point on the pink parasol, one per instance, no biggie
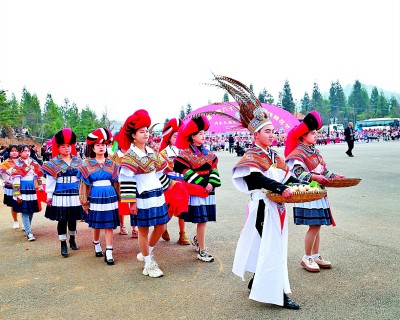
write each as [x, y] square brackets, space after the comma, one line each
[282, 120]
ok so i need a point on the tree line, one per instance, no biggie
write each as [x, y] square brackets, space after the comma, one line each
[338, 108]
[41, 123]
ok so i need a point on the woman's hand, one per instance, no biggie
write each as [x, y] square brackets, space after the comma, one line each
[49, 202]
[320, 179]
[86, 208]
[133, 208]
[19, 200]
[209, 188]
[287, 194]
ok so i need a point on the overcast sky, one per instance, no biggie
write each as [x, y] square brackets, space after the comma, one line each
[126, 55]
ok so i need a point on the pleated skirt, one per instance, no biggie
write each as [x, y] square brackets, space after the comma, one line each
[201, 209]
[65, 205]
[103, 208]
[29, 203]
[313, 213]
[152, 209]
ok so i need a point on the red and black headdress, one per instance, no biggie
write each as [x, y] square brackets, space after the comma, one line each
[100, 135]
[139, 119]
[64, 136]
[312, 121]
[170, 127]
[194, 125]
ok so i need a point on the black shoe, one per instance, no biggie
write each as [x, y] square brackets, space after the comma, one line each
[351, 155]
[72, 243]
[98, 253]
[110, 262]
[64, 248]
[289, 303]
[250, 285]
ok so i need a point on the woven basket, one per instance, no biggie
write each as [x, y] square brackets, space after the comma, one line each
[297, 196]
[341, 183]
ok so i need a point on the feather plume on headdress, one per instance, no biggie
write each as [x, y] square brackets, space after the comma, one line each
[252, 115]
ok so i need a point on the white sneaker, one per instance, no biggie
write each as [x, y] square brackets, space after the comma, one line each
[140, 256]
[153, 271]
[22, 228]
[15, 225]
[309, 264]
[205, 256]
[30, 237]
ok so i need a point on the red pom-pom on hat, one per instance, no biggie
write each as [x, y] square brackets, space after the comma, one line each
[194, 125]
[170, 127]
[139, 119]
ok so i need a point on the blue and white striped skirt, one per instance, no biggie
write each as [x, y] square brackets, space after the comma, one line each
[65, 205]
[103, 208]
[313, 213]
[152, 209]
[29, 203]
[201, 209]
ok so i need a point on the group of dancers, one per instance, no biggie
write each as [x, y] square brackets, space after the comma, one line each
[180, 179]
[151, 185]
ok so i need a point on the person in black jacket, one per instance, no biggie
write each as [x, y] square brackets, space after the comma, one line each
[349, 137]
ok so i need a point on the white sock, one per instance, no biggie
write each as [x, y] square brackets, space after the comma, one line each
[315, 255]
[306, 257]
[147, 261]
[97, 246]
[109, 253]
[62, 237]
[72, 233]
[150, 250]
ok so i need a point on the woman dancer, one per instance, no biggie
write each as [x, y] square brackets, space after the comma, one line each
[307, 164]
[23, 176]
[5, 168]
[98, 191]
[141, 187]
[169, 152]
[62, 187]
[199, 167]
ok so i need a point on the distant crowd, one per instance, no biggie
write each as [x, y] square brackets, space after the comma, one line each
[233, 142]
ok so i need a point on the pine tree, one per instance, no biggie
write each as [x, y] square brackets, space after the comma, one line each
[374, 104]
[52, 115]
[383, 106]
[182, 113]
[305, 104]
[287, 99]
[337, 101]
[188, 108]
[358, 102]
[394, 108]
[265, 97]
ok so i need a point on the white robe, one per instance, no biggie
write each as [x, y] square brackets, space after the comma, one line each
[266, 256]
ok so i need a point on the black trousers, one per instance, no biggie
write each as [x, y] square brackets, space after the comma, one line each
[62, 226]
[350, 145]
